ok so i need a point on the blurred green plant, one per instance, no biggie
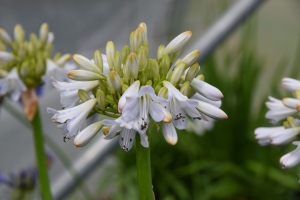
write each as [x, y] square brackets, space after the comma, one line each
[227, 162]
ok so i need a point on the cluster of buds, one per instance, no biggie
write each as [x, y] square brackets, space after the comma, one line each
[27, 64]
[288, 109]
[130, 87]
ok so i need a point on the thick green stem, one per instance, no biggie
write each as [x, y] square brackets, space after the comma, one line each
[143, 170]
[40, 156]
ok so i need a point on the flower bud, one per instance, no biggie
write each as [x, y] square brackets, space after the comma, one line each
[170, 76]
[185, 88]
[50, 37]
[24, 70]
[142, 58]
[200, 77]
[125, 53]
[100, 95]
[146, 46]
[105, 130]
[124, 88]
[144, 31]
[192, 72]
[6, 56]
[19, 33]
[113, 78]
[85, 63]
[178, 42]
[292, 122]
[131, 40]
[126, 74]
[297, 94]
[110, 54]
[117, 61]
[39, 68]
[211, 110]
[157, 88]
[63, 59]
[163, 92]
[98, 60]
[286, 125]
[83, 95]
[177, 73]
[160, 51]
[2, 46]
[87, 134]
[83, 75]
[137, 40]
[165, 64]
[132, 64]
[44, 33]
[56, 56]
[144, 78]
[191, 58]
[4, 36]
[149, 82]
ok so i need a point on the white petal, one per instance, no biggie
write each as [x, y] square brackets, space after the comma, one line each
[174, 92]
[211, 111]
[291, 159]
[290, 84]
[169, 133]
[156, 112]
[291, 102]
[147, 89]
[190, 110]
[277, 115]
[206, 90]
[83, 75]
[113, 131]
[144, 140]
[126, 139]
[131, 109]
[265, 132]
[130, 92]
[284, 136]
[87, 134]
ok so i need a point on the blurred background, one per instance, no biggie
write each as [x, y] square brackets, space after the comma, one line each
[223, 163]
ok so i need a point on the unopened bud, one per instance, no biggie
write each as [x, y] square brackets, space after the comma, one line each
[100, 95]
[137, 41]
[113, 78]
[124, 88]
[165, 64]
[170, 76]
[110, 54]
[24, 70]
[160, 51]
[19, 33]
[98, 60]
[144, 78]
[174, 56]
[192, 72]
[39, 68]
[105, 130]
[6, 56]
[87, 134]
[2, 46]
[297, 94]
[83, 95]
[56, 56]
[157, 88]
[292, 122]
[132, 64]
[63, 59]
[85, 63]
[200, 77]
[178, 42]
[4, 36]
[117, 61]
[146, 46]
[125, 53]
[177, 73]
[44, 33]
[163, 92]
[154, 68]
[126, 73]
[144, 31]
[50, 37]
[142, 58]
[131, 40]
[149, 82]
[185, 88]
[83, 75]
[191, 58]
[286, 125]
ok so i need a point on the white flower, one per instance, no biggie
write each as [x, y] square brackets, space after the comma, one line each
[291, 102]
[290, 84]
[73, 117]
[12, 84]
[87, 134]
[207, 90]
[278, 110]
[69, 91]
[178, 42]
[263, 134]
[284, 136]
[291, 159]
[6, 56]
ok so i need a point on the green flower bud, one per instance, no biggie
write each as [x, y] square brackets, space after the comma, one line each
[83, 95]
[177, 73]
[149, 71]
[105, 130]
[125, 53]
[160, 51]
[117, 61]
[110, 54]
[200, 77]
[19, 34]
[56, 56]
[144, 31]
[63, 59]
[292, 122]
[149, 82]
[170, 76]
[24, 70]
[121, 73]
[142, 58]
[163, 92]
[175, 55]
[137, 41]
[191, 58]
[2, 46]
[185, 88]
[297, 94]
[85, 63]
[44, 30]
[286, 125]
[101, 99]
[131, 40]
[146, 46]
[4, 36]
[132, 64]
[98, 60]
[157, 88]
[113, 79]
[165, 64]
[110, 98]
[192, 72]
[39, 68]
[124, 88]
[103, 86]
[83, 75]
[126, 73]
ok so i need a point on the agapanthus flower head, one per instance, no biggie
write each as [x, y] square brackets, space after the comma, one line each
[26, 64]
[136, 92]
[287, 108]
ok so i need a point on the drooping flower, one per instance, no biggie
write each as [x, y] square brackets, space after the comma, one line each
[291, 159]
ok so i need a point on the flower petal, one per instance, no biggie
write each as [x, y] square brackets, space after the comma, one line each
[169, 133]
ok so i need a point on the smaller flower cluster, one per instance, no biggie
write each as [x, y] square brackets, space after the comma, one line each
[28, 64]
[287, 108]
[133, 89]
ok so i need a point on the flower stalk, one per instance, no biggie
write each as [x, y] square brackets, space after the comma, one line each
[40, 156]
[143, 171]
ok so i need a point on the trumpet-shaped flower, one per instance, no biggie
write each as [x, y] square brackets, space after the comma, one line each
[263, 134]
[291, 159]
[206, 90]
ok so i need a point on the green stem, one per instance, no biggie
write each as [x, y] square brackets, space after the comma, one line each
[40, 156]
[143, 170]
